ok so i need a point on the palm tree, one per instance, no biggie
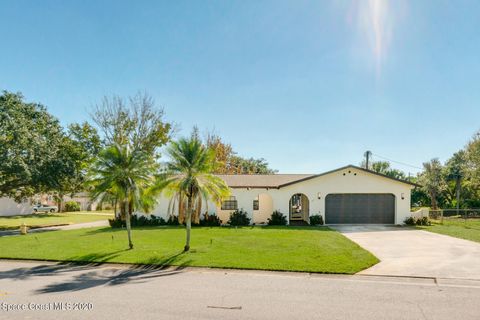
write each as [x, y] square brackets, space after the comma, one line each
[189, 181]
[127, 175]
[432, 180]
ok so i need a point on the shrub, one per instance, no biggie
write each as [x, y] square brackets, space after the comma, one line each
[423, 221]
[157, 221]
[138, 221]
[116, 223]
[172, 221]
[71, 206]
[316, 220]
[277, 219]
[410, 221]
[239, 218]
[210, 220]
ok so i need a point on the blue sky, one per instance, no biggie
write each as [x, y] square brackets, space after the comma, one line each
[308, 85]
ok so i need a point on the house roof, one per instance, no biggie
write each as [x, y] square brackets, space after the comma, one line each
[281, 180]
[261, 180]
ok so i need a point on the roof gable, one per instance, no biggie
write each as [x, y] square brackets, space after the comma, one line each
[354, 167]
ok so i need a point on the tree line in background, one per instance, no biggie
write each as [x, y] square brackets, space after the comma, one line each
[454, 184]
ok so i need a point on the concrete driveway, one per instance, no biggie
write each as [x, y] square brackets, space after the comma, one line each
[409, 252]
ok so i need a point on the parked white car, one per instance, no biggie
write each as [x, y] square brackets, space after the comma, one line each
[44, 208]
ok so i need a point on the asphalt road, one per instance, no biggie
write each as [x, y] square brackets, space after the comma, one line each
[120, 292]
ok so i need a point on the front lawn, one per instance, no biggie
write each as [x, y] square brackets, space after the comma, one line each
[308, 249]
[49, 219]
[456, 227]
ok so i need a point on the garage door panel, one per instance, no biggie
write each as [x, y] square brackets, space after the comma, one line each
[360, 208]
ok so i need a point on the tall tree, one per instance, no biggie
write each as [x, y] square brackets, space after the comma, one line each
[454, 172]
[136, 122]
[228, 162]
[68, 170]
[432, 180]
[189, 180]
[385, 168]
[472, 157]
[30, 140]
[128, 175]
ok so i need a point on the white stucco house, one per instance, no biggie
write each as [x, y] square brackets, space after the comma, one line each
[347, 195]
[9, 207]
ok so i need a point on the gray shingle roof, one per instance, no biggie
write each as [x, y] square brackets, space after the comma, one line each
[261, 180]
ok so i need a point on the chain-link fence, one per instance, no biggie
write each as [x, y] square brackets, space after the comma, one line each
[465, 214]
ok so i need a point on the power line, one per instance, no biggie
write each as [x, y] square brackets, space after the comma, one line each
[398, 162]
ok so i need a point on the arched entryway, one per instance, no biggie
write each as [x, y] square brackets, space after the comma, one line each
[299, 207]
[262, 208]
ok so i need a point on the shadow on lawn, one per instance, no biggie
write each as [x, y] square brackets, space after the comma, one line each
[110, 229]
[87, 274]
[114, 231]
[301, 228]
[35, 216]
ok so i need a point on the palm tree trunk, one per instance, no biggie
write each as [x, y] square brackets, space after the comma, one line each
[189, 225]
[458, 186]
[115, 208]
[433, 196]
[60, 203]
[129, 227]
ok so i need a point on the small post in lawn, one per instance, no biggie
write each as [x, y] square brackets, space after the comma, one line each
[23, 228]
[441, 216]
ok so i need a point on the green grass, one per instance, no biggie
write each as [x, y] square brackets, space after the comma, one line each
[456, 227]
[44, 219]
[307, 249]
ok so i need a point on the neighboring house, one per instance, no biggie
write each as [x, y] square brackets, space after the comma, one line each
[8, 207]
[83, 199]
[348, 195]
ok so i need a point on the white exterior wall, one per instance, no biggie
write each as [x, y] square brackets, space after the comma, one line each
[354, 181]
[8, 207]
[84, 201]
[265, 209]
[362, 182]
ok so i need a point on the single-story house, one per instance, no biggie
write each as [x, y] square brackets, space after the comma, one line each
[347, 195]
[83, 199]
[9, 207]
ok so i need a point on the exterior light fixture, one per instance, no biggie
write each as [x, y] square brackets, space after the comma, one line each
[319, 195]
[403, 196]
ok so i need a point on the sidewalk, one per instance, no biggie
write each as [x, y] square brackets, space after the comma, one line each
[102, 223]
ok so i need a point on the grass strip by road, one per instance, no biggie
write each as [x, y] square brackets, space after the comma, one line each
[307, 249]
[456, 227]
[50, 219]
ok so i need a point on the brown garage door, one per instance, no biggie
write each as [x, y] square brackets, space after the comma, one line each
[360, 208]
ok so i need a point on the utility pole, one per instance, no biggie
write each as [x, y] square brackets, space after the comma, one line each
[367, 155]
